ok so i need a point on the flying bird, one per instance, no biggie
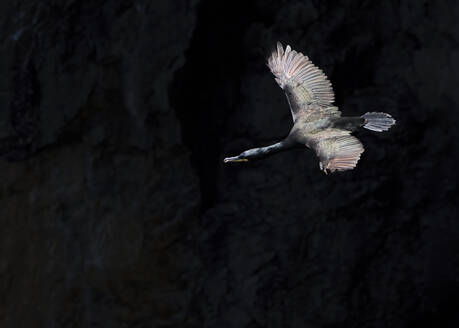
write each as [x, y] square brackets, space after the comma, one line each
[317, 124]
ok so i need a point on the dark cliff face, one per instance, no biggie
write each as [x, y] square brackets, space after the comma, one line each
[117, 211]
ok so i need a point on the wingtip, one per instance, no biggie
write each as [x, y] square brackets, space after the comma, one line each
[280, 50]
[274, 53]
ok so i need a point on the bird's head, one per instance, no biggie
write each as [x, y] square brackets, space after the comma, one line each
[235, 159]
[242, 157]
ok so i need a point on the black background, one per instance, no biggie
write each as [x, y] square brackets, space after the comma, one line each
[117, 211]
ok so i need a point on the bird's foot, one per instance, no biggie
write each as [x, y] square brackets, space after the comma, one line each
[323, 168]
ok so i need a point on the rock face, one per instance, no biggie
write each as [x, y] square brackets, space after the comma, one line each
[99, 200]
[117, 211]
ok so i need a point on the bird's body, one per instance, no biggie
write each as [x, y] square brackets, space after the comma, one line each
[317, 124]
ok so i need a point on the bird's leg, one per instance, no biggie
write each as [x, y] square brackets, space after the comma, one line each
[323, 168]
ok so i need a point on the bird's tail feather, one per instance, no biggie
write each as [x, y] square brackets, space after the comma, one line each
[378, 121]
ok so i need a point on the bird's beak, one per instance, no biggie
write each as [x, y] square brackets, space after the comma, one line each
[235, 159]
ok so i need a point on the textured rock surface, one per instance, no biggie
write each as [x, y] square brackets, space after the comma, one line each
[116, 210]
[96, 221]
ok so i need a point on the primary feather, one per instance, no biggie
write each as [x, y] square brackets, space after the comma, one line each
[303, 83]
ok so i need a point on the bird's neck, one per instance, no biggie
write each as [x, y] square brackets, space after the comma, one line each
[268, 150]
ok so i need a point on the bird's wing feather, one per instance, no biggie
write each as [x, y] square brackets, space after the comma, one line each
[337, 149]
[303, 83]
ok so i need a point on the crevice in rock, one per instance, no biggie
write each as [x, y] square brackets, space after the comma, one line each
[205, 88]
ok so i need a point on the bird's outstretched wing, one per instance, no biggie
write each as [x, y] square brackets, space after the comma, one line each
[337, 150]
[304, 84]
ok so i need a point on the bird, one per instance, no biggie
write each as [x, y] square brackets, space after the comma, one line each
[317, 123]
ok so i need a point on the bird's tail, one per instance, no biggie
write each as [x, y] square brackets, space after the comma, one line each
[378, 121]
